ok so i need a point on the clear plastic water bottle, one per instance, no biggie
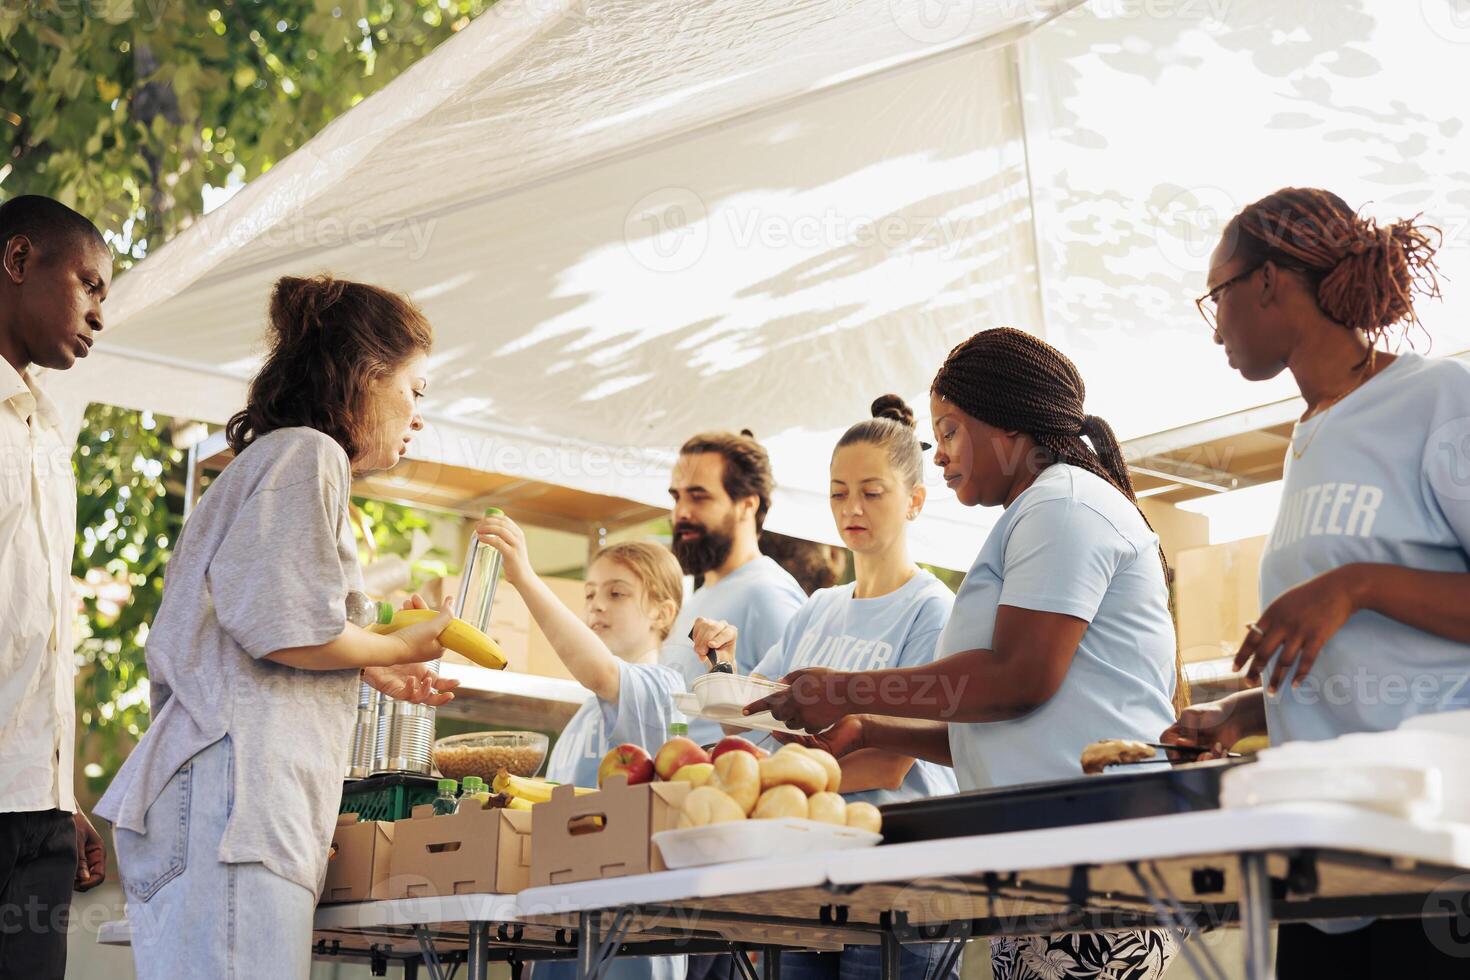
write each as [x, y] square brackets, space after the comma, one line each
[446, 802]
[473, 788]
[361, 610]
[478, 580]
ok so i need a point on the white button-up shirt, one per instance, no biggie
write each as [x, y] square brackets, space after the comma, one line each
[38, 516]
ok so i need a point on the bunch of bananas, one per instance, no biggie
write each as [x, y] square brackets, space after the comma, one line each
[525, 792]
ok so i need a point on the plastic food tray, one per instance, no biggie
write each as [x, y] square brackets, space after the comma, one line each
[752, 840]
[1062, 803]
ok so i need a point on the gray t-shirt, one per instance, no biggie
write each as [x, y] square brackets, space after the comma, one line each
[264, 563]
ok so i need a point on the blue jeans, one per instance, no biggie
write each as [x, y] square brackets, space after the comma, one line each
[193, 915]
[916, 962]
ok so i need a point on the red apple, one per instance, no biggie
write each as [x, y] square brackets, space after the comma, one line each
[734, 743]
[629, 760]
[677, 753]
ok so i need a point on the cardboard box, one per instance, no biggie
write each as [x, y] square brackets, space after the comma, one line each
[543, 660]
[572, 844]
[515, 646]
[526, 648]
[509, 611]
[1217, 597]
[469, 852]
[1177, 529]
[359, 867]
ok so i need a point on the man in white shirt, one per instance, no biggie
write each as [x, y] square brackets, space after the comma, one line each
[55, 270]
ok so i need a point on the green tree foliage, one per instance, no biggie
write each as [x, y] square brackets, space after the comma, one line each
[393, 528]
[127, 109]
[129, 510]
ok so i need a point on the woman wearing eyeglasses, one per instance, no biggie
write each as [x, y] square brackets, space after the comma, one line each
[1366, 575]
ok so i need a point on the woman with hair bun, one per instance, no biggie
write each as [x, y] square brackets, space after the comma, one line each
[1365, 575]
[223, 814]
[1060, 635]
[890, 616]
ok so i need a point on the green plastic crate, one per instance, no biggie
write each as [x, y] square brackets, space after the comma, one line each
[390, 797]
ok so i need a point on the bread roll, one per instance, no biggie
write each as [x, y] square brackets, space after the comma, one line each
[739, 775]
[828, 808]
[780, 801]
[828, 762]
[1111, 751]
[706, 805]
[864, 816]
[793, 769]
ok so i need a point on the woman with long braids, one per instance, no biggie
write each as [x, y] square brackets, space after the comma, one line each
[1365, 576]
[1060, 634]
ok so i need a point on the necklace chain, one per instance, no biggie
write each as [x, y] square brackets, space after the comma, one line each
[1321, 413]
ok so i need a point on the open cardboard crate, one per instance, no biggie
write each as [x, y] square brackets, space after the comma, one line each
[358, 868]
[472, 851]
[607, 834]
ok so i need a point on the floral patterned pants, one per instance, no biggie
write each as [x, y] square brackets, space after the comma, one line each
[1137, 954]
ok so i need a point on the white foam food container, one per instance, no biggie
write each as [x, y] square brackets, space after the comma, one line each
[755, 840]
[1408, 791]
[722, 697]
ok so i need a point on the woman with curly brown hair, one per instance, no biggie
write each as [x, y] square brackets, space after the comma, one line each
[1365, 575]
[223, 814]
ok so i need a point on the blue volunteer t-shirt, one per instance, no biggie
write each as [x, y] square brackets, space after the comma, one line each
[838, 631]
[1383, 477]
[1069, 544]
[758, 599]
[642, 715]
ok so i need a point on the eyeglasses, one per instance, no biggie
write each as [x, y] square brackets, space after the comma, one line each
[1208, 304]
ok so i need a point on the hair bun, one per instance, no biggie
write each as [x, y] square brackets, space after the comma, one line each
[297, 304]
[747, 433]
[1372, 286]
[893, 407]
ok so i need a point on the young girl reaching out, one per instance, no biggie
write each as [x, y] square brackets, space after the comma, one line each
[633, 593]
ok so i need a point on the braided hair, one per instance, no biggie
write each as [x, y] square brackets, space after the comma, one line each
[1017, 382]
[1014, 381]
[1364, 275]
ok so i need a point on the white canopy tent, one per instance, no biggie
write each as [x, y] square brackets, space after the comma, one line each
[631, 220]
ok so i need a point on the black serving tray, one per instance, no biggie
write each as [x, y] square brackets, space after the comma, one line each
[1139, 791]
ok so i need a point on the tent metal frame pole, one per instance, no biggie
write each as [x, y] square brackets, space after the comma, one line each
[1020, 89]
